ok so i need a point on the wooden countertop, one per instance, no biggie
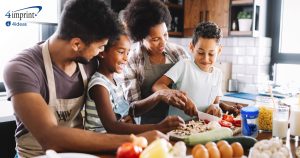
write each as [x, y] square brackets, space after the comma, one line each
[292, 144]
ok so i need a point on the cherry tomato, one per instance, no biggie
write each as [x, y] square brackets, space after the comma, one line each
[224, 123]
[129, 150]
[228, 118]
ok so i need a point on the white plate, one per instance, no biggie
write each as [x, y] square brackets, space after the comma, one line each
[71, 155]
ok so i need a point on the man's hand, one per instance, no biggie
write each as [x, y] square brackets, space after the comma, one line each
[215, 110]
[173, 97]
[170, 123]
[153, 135]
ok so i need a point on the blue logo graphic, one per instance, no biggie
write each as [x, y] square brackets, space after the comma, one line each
[28, 12]
[8, 23]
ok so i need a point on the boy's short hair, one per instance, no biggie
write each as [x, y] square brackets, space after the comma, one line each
[89, 20]
[207, 30]
[141, 15]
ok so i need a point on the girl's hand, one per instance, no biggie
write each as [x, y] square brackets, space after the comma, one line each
[170, 123]
[214, 109]
[173, 97]
[127, 119]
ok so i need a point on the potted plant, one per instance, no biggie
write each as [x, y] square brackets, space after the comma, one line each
[245, 21]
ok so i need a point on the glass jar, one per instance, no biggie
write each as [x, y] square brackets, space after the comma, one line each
[249, 116]
[266, 108]
[294, 121]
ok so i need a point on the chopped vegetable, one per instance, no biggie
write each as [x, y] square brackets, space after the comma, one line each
[225, 123]
[237, 123]
[228, 118]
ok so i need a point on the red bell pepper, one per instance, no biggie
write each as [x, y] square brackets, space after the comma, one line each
[237, 123]
[228, 118]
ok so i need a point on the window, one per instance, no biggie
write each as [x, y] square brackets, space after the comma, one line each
[15, 39]
[287, 77]
[289, 37]
[285, 31]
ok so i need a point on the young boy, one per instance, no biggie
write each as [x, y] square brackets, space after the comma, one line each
[198, 77]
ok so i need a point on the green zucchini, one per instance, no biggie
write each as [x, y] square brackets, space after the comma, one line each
[246, 141]
[204, 137]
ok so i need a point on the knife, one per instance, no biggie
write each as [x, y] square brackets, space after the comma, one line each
[205, 116]
[208, 117]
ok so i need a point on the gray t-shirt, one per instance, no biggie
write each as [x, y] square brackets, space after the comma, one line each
[26, 73]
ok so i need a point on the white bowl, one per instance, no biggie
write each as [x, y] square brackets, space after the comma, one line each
[71, 155]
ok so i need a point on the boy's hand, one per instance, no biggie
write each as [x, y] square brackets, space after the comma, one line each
[153, 135]
[170, 123]
[215, 110]
[173, 97]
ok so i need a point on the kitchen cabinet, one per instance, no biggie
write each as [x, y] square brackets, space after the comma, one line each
[192, 12]
[258, 12]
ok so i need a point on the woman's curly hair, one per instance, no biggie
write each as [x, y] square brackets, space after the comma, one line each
[207, 30]
[141, 15]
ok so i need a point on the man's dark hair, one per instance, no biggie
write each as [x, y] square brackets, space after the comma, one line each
[89, 20]
[207, 30]
[141, 15]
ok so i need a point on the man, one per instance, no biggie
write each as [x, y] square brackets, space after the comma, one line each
[47, 83]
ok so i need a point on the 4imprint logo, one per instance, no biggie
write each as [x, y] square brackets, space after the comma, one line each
[27, 13]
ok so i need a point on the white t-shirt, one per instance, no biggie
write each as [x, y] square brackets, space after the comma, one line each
[201, 87]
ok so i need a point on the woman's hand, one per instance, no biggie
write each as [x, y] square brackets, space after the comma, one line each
[173, 97]
[214, 109]
[170, 123]
[190, 108]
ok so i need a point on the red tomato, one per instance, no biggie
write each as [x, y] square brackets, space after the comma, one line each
[237, 123]
[129, 150]
[228, 118]
[224, 123]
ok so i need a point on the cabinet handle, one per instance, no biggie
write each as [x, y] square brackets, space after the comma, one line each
[207, 15]
[201, 16]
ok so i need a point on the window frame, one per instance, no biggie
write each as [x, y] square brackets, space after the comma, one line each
[278, 57]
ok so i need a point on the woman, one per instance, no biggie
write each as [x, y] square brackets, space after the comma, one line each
[147, 22]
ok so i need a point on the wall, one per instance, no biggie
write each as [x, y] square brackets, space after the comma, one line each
[250, 58]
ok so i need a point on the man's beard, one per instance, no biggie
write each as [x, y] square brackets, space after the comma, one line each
[81, 60]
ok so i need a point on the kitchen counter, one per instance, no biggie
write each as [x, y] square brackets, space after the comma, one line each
[7, 112]
[237, 100]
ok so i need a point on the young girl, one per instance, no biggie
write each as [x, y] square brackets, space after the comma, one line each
[106, 107]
